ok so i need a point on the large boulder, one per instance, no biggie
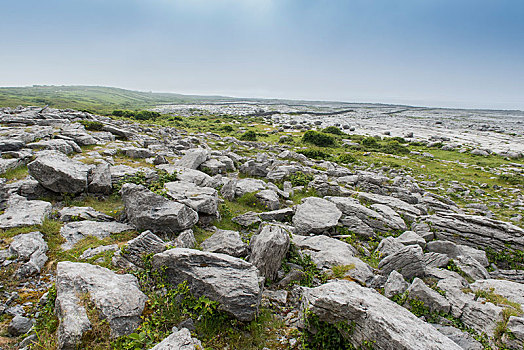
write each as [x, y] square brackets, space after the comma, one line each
[268, 248]
[225, 242]
[316, 215]
[117, 298]
[56, 172]
[149, 211]
[22, 212]
[145, 244]
[75, 231]
[232, 282]
[202, 199]
[100, 179]
[372, 318]
[431, 299]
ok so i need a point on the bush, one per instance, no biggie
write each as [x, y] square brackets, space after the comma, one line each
[314, 153]
[228, 128]
[300, 179]
[92, 125]
[394, 147]
[333, 130]
[370, 142]
[318, 139]
[346, 158]
[146, 115]
[249, 136]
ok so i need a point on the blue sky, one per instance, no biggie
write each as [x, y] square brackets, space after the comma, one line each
[464, 53]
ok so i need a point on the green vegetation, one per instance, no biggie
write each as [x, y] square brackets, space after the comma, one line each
[323, 335]
[310, 269]
[300, 179]
[248, 136]
[15, 174]
[346, 158]
[155, 185]
[333, 130]
[137, 115]
[92, 125]
[315, 153]
[318, 139]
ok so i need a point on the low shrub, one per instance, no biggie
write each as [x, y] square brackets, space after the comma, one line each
[318, 139]
[249, 136]
[314, 153]
[333, 130]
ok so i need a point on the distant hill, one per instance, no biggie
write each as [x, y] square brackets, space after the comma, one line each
[97, 99]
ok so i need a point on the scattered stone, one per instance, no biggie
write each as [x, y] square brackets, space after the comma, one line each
[74, 232]
[179, 340]
[315, 215]
[268, 248]
[22, 212]
[225, 242]
[69, 214]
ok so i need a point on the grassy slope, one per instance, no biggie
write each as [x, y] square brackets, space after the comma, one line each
[92, 98]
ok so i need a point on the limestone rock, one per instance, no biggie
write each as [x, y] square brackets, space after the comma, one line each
[75, 231]
[268, 248]
[232, 282]
[225, 242]
[56, 172]
[431, 299]
[375, 318]
[201, 199]
[147, 210]
[179, 340]
[22, 212]
[395, 284]
[409, 261]
[315, 215]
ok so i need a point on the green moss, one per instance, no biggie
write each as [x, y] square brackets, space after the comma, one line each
[15, 174]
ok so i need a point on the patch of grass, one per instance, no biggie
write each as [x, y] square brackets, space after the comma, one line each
[318, 139]
[310, 269]
[15, 174]
[111, 205]
[47, 323]
[299, 179]
[323, 335]
[92, 125]
[340, 271]
[315, 153]
[333, 130]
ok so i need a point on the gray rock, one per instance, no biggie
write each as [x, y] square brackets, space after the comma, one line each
[244, 186]
[116, 297]
[462, 339]
[477, 231]
[395, 284]
[68, 214]
[10, 145]
[277, 215]
[19, 325]
[411, 238]
[193, 158]
[75, 231]
[315, 215]
[213, 166]
[30, 248]
[514, 339]
[389, 245]
[225, 242]
[232, 282]
[202, 199]
[138, 153]
[408, 210]
[395, 219]
[186, 239]
[92, 252]
[100, 179]
[328, 252]
[375, 318]
[455, 250]
[147, 210]
[409, 261]
[431, 299]
[179, 340]
[22, 212]
[247, 219]
[432, 259]
[63, 146]
[197, 177]
[56, 172]
[146, 243]
[268, 248]
[510, 290]
[269, 199]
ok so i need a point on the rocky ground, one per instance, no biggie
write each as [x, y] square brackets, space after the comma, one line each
[116, 234]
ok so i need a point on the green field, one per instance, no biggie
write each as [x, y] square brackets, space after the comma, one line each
[98, 99]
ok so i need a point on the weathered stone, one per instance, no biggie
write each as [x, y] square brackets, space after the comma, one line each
[268, 248]
[435, 259]
[409, 261]
[431, 299]
[395, 284]
[179, 340]
[186, 239]
[137, 248]
[202, 199]
[75, 231]
[82, 213]
[225, 242]
[411, 238]
[22, 212]
[328, 252]
[247, 219]
[30, 248]
[232, 282]
[375, 318]
[244, 186]
[193, 158]
[100, 179]
[56, 172]
[277, 215]
[514, 338]
[315, 215]
[116, 297]
[63, 146]
[462, 339]
[19, 325]
[269, 199]
[92, 252]
[147, 210]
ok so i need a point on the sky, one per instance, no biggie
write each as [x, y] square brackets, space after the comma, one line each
[447, 53]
